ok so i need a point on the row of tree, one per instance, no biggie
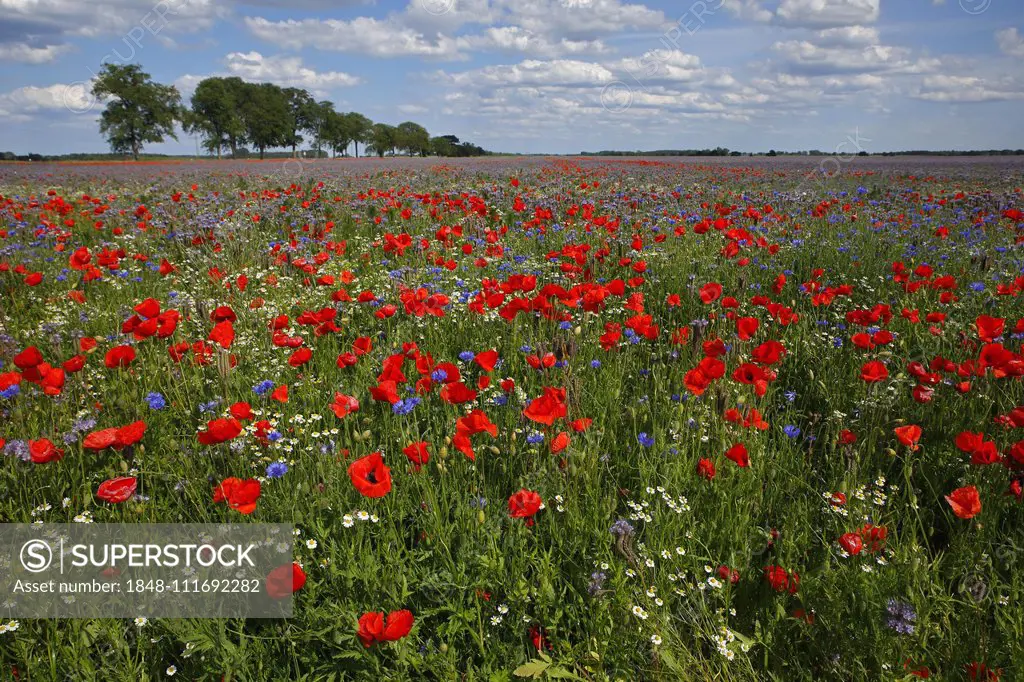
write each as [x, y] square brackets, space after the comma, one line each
[230, 114]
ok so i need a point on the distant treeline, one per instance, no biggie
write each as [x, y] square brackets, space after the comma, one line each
[233, 115]
[722, 151]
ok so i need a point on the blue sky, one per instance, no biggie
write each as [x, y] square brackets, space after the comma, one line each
[550, 76]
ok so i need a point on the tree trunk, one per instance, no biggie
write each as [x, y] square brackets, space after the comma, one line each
[261, 153]
[356, 142]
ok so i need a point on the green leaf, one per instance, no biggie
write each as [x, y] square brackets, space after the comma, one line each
[534, 669]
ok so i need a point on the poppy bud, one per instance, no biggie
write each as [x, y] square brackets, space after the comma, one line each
[480, 517]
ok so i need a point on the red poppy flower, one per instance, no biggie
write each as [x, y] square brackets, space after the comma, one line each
[220, 430]
[873, 372]
[768, 353]
[781, 580]
[547, 408]
[852, 543]
[241, 410]
[746, 327]
[738, 454]
[285, 580]
[385, 392]
[457, 393]
[73, 364]
[524, 504]
[300, 357]
[560, 442]
[417, 453]
[487, 360]
[909, 435]
[280, 394]
[344, 405]
[240, 495]
[119, 356]
[30, 357]
[117, 490]
[370, 476]
[117, 437]
[710, 292]
[966, 502]
[706, 468]
[373, 627]
[989, 328]
[42, 451]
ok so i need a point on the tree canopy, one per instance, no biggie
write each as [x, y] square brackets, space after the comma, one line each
[138, 110]
[230, 113]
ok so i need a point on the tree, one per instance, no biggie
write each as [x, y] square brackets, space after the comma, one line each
[300, 105]
[443, 146]
[215, 116]
[382, 139]
[139, 110]
[360, 127]
[267, 117]
[413, 138]
[321, 115]
[338, 132]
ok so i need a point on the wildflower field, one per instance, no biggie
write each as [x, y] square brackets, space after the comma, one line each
[533, 418]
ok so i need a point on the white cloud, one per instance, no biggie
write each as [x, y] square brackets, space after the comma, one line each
[428, 28]
[22, 103]
[966, 89]
[285, 71]
[22, 52]
[517, 39]
[1010, 42]
[532, 72]
[827, 13]
[362, 35]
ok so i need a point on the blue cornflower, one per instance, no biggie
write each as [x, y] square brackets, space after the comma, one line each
[263, 387]
[535, 438]
[439, 375]
[156, 401]
[791, 431]
[210, 406]
[10, 391]
[901, 617]
[621, 528]
[595, 363]
[790, 396]
[405, 406]
[565, 325]
[644, 439]
[275, 436]
[467, 355]
[977, 286]
[276, 469]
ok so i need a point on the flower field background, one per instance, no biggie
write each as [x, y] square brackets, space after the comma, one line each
[533, 418]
